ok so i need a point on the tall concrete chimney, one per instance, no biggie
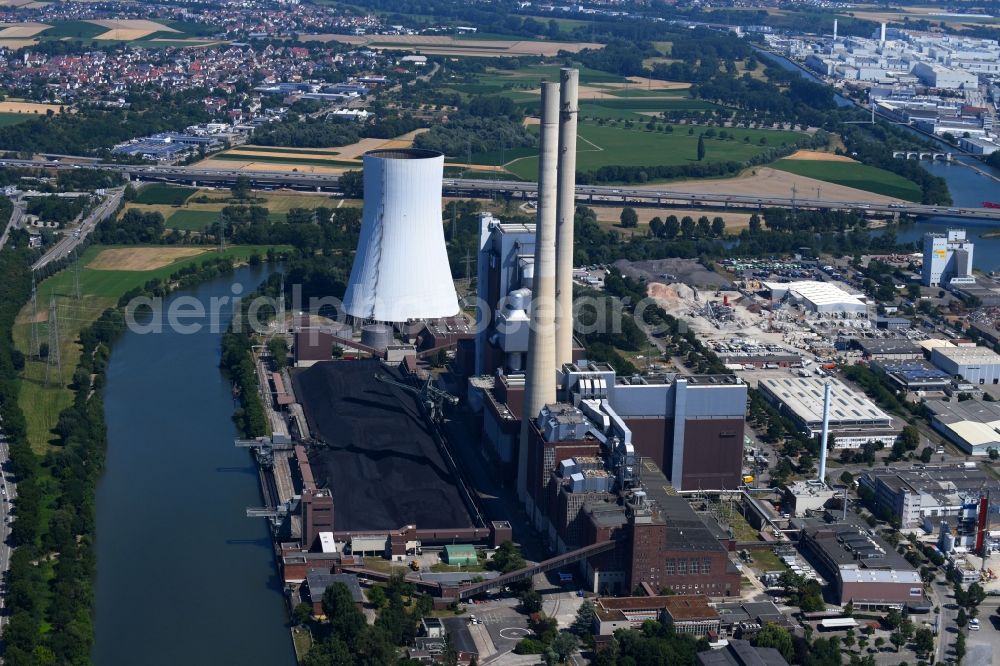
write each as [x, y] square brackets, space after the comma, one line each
[826, 433]
[540, 376]
[565, 210]
[834, 29]
[881, 39]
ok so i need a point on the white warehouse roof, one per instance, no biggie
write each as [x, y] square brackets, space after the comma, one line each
[819, 296]
[967, 355]
[803, 396]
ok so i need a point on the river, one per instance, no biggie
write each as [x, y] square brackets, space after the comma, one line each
[184, 577]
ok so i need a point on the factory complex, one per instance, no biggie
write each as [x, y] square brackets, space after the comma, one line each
[407, 432]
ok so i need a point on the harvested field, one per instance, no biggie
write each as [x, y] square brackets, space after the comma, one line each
[140, 258]
[447, 45]
[130, 29]
[380, 460]
[21, 30]
[765, 181]
[14, 44]
[687, 271]
[252, 165]
[15, 106]
[818, 156]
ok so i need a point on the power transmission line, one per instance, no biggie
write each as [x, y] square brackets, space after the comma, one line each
[53, 357]
[35, 342]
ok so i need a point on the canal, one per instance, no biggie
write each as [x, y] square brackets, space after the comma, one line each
[183, 576]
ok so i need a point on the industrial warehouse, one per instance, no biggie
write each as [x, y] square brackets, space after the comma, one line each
[854, 419]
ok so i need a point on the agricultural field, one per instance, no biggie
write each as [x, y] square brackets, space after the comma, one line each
[603, 145]
[140, 32]
[853, 174]
[196, 216]
[7, 118]
[192, 220]
[170, 195]
[105, 274]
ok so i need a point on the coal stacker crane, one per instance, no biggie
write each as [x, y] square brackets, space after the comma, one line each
[431, 397]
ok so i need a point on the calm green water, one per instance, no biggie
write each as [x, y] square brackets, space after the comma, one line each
[183, 576]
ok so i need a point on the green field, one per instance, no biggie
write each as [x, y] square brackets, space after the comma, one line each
[599, 146]
[856, 175]
[192, 220]
[73, 30]
[14, 118]
[159, 193]
[99, 289]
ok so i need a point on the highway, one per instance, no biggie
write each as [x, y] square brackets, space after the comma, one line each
[595, 194]
[14, 223]
[69, 242]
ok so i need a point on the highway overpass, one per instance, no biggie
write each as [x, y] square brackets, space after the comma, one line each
[592, 194]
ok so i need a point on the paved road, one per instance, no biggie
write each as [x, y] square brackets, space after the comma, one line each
[468, 187]
[14, 223]
[69, 242]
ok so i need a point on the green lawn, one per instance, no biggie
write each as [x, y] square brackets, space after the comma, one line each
[159, 193]
[192, 220]
[599, 146]
[99, 290]
[73, 30]
[854, 174]
[15, 118]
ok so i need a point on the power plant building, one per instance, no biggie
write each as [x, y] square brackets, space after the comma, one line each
[947, 259]
[592, 453]
[401, 270]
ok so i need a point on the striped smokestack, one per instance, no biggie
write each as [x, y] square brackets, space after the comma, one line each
[540, 375]
[565, 210]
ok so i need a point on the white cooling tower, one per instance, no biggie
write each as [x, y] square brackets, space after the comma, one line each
[401, 269]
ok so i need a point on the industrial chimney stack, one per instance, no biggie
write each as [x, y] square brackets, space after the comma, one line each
[835, 30]
[565, 211]
[881, 39]
[826, 433]
[540, 375]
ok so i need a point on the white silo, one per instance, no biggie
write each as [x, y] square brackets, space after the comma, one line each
[401, 269]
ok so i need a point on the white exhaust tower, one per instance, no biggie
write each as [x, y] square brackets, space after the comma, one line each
[401, 269]
[565, 211]
[540, 374]
[826, 433]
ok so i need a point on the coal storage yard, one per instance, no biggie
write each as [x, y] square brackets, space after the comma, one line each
[380, 460]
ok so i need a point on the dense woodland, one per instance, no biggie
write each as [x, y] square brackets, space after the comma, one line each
[483, 124]
[330, 132]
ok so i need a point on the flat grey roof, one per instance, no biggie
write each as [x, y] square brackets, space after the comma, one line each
[803, 396]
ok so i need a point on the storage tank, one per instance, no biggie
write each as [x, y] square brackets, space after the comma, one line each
[401, 269]
[376, 336]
